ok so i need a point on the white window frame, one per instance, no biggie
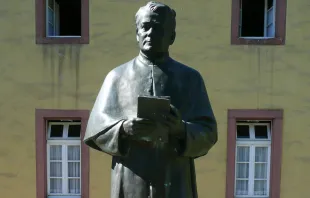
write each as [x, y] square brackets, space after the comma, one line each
[272, 9]
[64, 141]
[253, 143]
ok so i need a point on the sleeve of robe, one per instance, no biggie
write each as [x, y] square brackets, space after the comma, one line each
[201, 126]
[105, 121]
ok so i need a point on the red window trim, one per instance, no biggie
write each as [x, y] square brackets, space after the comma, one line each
[41, 26]
[276, 116]
[280, 26]
[41, 116]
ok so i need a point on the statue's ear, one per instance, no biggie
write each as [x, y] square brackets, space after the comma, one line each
[173, 37]
[137, 37]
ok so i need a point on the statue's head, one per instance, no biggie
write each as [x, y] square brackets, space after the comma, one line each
[155, 27]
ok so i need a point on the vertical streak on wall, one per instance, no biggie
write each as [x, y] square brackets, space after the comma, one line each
[271, 55]
[77, 76]
[52, 70]
[45, 63]
[258, 75]
[61, 56]
[71, 57]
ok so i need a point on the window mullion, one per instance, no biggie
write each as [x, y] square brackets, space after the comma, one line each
[269, 132]
[252, 170]
[64, 170]
[66, 129]
[252, 132]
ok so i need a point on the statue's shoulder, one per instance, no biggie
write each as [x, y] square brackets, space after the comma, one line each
[185, 69]
[118, 71]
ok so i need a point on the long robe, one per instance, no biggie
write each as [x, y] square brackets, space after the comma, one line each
[135, 167]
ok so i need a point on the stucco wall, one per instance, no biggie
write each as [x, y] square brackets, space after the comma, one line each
[69, 77]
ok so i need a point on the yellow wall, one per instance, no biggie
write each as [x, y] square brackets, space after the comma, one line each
[236, 77]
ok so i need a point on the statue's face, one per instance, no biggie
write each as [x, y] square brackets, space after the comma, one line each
[154, 33]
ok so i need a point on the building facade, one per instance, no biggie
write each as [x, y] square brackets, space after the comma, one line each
[255, 68]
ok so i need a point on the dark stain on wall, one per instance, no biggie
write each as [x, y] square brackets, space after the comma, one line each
[56, 60]
[289, 144]
[303, 159]
[8, 175]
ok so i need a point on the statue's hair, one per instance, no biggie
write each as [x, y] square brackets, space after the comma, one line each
[158, 8]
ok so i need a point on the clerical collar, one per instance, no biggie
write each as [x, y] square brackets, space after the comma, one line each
[157, 62]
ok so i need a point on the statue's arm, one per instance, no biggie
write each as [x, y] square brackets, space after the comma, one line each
[200, 132]
[113, 140]
[199, 137]
[104, 130]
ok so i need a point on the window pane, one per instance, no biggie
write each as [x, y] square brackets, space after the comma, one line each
[261, 171]
[74, 169]
[261, 132]
[56, 130]
[260, 187]
[243, 154]
[242, 187]
[261, 154]
[55, 185]
[74, 186]
[74, 152]
[242, 171]
[55, 169]
[243, 131]
[55, 152]
[74, 131]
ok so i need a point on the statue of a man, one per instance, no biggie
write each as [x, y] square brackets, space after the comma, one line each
[139, 169]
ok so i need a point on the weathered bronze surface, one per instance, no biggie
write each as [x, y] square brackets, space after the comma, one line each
[149, 167]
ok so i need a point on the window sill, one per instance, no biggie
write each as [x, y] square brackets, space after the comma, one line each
[62, 40]
[64, 196]
[257, 41]
[251, 196]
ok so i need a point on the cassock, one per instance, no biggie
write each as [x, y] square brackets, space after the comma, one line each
[135, 164]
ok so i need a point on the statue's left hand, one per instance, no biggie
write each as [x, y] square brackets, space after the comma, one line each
[174, 123]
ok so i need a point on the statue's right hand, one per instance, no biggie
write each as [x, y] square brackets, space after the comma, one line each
[138, 127]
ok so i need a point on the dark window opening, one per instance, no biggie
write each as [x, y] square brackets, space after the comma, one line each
[261, 132]
[74, 130]
[56, 130]
[243, 131]
[69, 17]
[252, 17]
[269, 4]
[64, 18]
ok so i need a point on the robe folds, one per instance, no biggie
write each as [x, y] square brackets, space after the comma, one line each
[134, 167]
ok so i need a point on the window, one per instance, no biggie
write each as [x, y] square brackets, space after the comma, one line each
[254, 148]
[62, 157]
[62, 21]
[258, 22]
[252, 159]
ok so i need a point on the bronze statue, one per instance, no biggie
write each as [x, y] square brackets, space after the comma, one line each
[153, 167]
